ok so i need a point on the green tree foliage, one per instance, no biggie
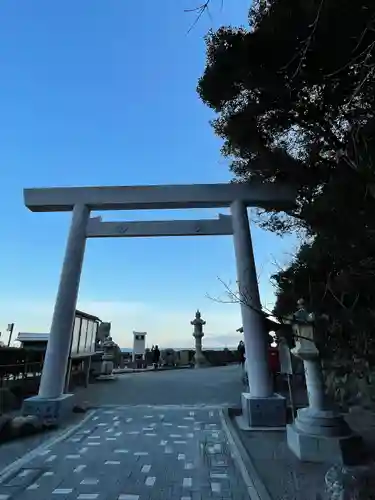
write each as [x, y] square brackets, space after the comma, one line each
[294, 95]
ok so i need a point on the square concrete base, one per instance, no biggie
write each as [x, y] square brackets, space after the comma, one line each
[264, 412]
[313, 448]
[106, 377]
[51, 411]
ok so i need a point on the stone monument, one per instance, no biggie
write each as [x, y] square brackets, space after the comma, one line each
[319, 433]
[108, 346]
[104, 331]
[199, 359]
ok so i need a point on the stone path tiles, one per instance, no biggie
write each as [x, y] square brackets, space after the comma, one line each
[135, 453]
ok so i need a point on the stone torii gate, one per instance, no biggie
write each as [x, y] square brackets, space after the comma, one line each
[261, 406]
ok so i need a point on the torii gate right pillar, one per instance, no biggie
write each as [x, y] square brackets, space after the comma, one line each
[260, 406]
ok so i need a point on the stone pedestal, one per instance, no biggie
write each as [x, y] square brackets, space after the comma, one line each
[267, 412]
[50, 411]
[107, 360]
[323, 436]
[199, 360]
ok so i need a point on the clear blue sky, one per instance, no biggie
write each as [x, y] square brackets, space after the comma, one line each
[99, 92]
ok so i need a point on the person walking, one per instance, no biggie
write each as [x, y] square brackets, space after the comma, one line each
[156, 357]
[241, 352]
[242, 360]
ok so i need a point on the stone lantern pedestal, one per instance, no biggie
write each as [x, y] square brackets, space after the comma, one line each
[319, 433]
[199, 359]
[107, 360]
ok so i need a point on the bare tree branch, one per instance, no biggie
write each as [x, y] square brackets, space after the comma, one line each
[239, 298]
[302, 53]
[200, 10]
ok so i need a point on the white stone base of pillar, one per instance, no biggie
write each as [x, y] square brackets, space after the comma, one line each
[50, 411]
[323, 436]
[263, 412]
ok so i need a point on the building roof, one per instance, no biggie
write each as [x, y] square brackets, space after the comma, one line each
[32, 337]
[271, 325]
[43, 337]
[84, 315]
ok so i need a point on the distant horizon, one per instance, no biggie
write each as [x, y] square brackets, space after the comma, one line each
[127, 349]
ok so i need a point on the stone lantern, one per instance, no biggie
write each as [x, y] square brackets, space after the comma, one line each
[319, 433]
[199, 359]
[107, 359]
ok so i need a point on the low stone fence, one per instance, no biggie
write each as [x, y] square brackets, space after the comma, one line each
[221, 358]
[185, 357]
[17, 382]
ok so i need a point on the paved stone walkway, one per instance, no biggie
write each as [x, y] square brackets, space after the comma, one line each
[209, 386]
[134, 453]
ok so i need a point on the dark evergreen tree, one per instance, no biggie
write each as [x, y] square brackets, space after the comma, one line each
[294, 95]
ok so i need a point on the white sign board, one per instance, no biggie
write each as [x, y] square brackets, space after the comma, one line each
[139, 343]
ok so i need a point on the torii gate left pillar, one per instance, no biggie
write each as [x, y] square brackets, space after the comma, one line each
[51, 403]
